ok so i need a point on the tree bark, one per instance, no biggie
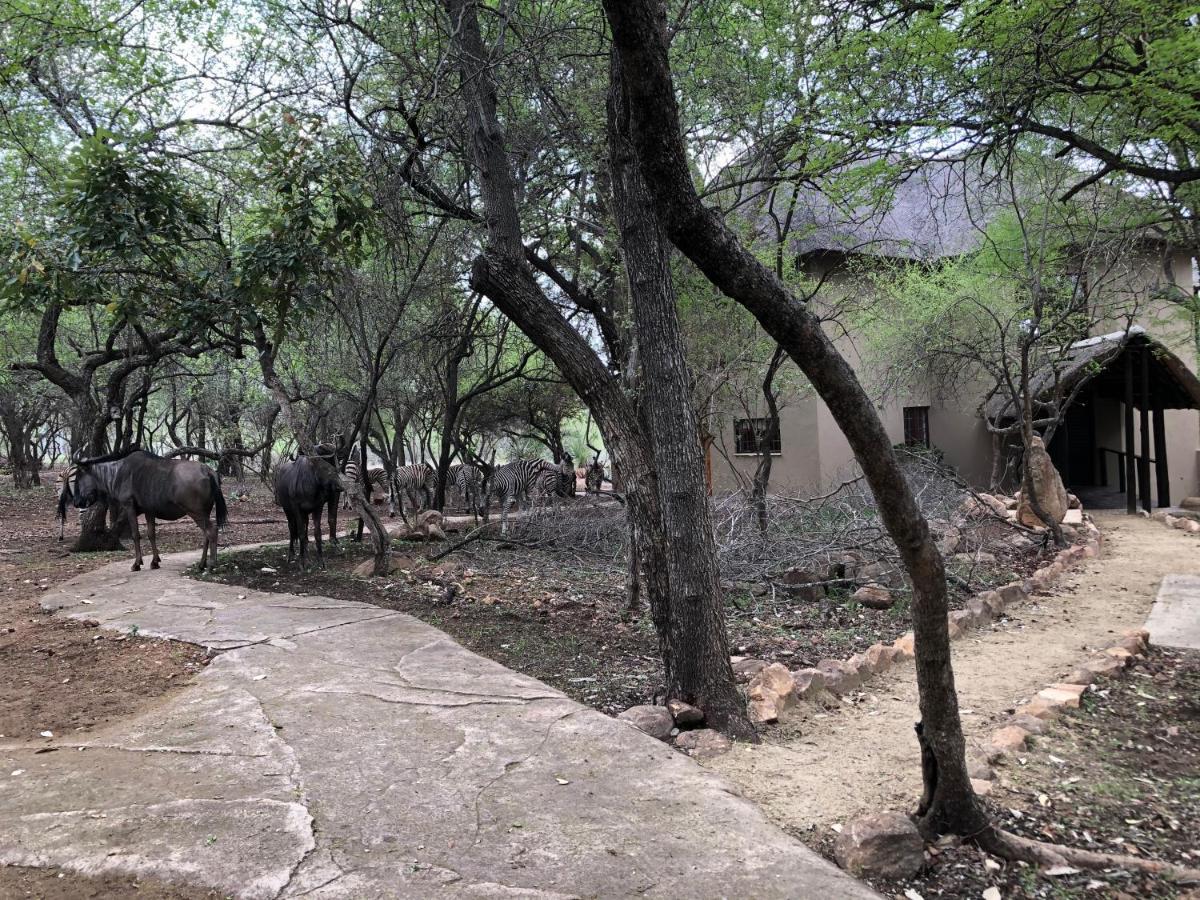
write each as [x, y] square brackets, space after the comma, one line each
[639, 33]
[702, 675]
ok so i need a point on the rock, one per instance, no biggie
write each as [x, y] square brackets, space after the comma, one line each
[878, 573]
[980, 611]
[1040, 708]
[1103, 666]
[1190, 503]
[1120, 654]
[948, 540]
[1032, 724]
[745, 668]
[1140, 638]
[803, 585]
[1062, 695]
[366, 568]
[874, 596]
[1082, 675]
[771, 692]
[903, 646]
[1009, 739]
[809, 683]
[878, 658]
[840, 678]
[656, 721]
[979, 770]
[1013, 592]
[992, 600]
[981, 788]
[685, 713]
[880, 845]
[994, 504]
[1073, 502]
[703, 743]
[1073, 517]
[962, 619]
[758, 589]
[1046, 485]
[1012, 502]
[428, 526]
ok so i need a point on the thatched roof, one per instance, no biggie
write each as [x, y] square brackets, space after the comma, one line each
[937, 210]
[1172, 384]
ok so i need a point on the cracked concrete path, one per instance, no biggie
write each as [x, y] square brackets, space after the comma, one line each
[337, 749]
[1175, 619]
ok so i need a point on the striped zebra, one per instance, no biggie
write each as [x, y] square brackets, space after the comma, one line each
[408, 480]
[468, 481]
[376, 480]
[528, 479]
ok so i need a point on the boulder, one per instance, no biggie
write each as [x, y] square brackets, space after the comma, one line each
[874, 596]
[745, 668]
[771, 692]
[366, 568]
[904, 647]
[948, 540]
[979, 558]
[1190, 503]
[1103, 666]
[1062, 695]
[840, 677]
[809, 683]
[980, 787]
[1032, 724]
[1009, 739]
[878, 658]
[1040, 708]
[1073, 502]
[803, 585]
[1013, 592]
[980, 610]
[994, 504]
[685, 713]
[880, 845]
[1046, 485]
[992, 600]
[427, 526]
[656, 721]
[703, 743]
[1073, 517]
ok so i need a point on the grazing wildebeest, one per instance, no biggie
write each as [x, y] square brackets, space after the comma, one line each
[304, 487]
[144, 484]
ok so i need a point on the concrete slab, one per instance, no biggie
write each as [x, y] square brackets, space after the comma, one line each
[340, 750]
[1175, 617]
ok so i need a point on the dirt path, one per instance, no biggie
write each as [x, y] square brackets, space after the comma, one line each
[823, 768]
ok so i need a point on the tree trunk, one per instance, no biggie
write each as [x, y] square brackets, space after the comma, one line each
[762, 472]
[639, 33]
[702, 675]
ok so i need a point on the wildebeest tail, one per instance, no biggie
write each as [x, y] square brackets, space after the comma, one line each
[222, 509]
[64, 495]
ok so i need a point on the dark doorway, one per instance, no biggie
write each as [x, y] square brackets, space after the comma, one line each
[1073, 447]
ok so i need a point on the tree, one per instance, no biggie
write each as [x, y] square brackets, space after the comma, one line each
[639, 34]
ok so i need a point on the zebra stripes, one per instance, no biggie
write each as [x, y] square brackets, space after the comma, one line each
[468, 481]
[376, 480]
[408, 480]
[528, 479]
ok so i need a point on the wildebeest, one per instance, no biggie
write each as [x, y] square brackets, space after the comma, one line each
[304, 487]
[144, 484]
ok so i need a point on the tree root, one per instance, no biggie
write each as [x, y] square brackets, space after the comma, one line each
[1015, 848]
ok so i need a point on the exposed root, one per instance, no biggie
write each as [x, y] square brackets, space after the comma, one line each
[1015, 848]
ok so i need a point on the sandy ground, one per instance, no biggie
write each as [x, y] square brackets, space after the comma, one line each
[821, 768]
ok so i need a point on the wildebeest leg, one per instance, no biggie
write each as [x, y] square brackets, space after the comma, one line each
[293, 531]
[211, 528]
[303, 542]
[317, 532]
[131, 514]
[200, 523]
[155, 559]
[333, 535]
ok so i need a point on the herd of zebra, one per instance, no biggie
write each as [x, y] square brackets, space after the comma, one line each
[532, 481]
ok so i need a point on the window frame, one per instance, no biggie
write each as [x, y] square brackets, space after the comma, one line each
[747, 427]
[922, 417]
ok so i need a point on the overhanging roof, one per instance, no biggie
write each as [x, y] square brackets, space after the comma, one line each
[1102, 360]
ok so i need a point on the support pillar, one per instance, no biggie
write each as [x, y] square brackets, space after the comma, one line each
[1130, 470]
[1144, 410]
[1160, 456]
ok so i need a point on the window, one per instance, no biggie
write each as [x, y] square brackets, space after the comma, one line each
[748, 435]
[916, 425]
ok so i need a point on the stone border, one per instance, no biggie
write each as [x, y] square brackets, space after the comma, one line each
[1030, 719]
[1185, 523]
[772, 688]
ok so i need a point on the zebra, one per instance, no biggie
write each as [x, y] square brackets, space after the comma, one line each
[468, 481]
[513, 481]
[408, 480]
[593, 477]
[376, 480]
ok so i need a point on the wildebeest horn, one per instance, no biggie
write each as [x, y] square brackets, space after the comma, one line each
[107, 457]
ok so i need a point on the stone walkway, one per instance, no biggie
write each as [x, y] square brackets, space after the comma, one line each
[336, 749]
[1175, 618]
